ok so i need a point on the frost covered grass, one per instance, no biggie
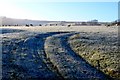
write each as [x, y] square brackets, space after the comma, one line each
[43, 52]
[99, 49]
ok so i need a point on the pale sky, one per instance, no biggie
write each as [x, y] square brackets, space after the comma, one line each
[60, 11]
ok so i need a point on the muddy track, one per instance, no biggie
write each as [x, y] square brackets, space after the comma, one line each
[44, 56]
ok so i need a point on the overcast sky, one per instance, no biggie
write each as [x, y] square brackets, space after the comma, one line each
[60, 11]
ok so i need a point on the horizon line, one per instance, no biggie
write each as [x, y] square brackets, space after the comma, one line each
[56, 20]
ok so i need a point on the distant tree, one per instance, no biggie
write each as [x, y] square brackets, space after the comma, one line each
[50, 24]
[40, 24]
[68, 25]
[84, 23]
[16, 25]
[31, 24]
[118, 23]
[27, 25]
[108, 25]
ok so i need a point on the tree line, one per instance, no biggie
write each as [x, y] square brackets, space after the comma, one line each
[22, 25]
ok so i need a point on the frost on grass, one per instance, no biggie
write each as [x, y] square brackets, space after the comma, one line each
[99, 49]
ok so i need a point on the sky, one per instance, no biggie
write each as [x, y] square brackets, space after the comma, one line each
[59, 10]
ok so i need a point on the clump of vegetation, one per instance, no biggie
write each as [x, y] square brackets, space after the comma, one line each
[77, 36]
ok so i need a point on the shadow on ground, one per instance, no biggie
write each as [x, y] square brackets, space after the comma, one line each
[4, 31]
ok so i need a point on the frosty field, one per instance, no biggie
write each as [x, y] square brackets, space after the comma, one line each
[60, 52]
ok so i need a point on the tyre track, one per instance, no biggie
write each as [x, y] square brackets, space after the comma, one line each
[44, 56]
[69, 65]
[26, 59]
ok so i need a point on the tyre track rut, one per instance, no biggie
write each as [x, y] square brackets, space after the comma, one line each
[69, 65]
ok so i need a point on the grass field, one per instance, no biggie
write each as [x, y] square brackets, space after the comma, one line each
[60, 52]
